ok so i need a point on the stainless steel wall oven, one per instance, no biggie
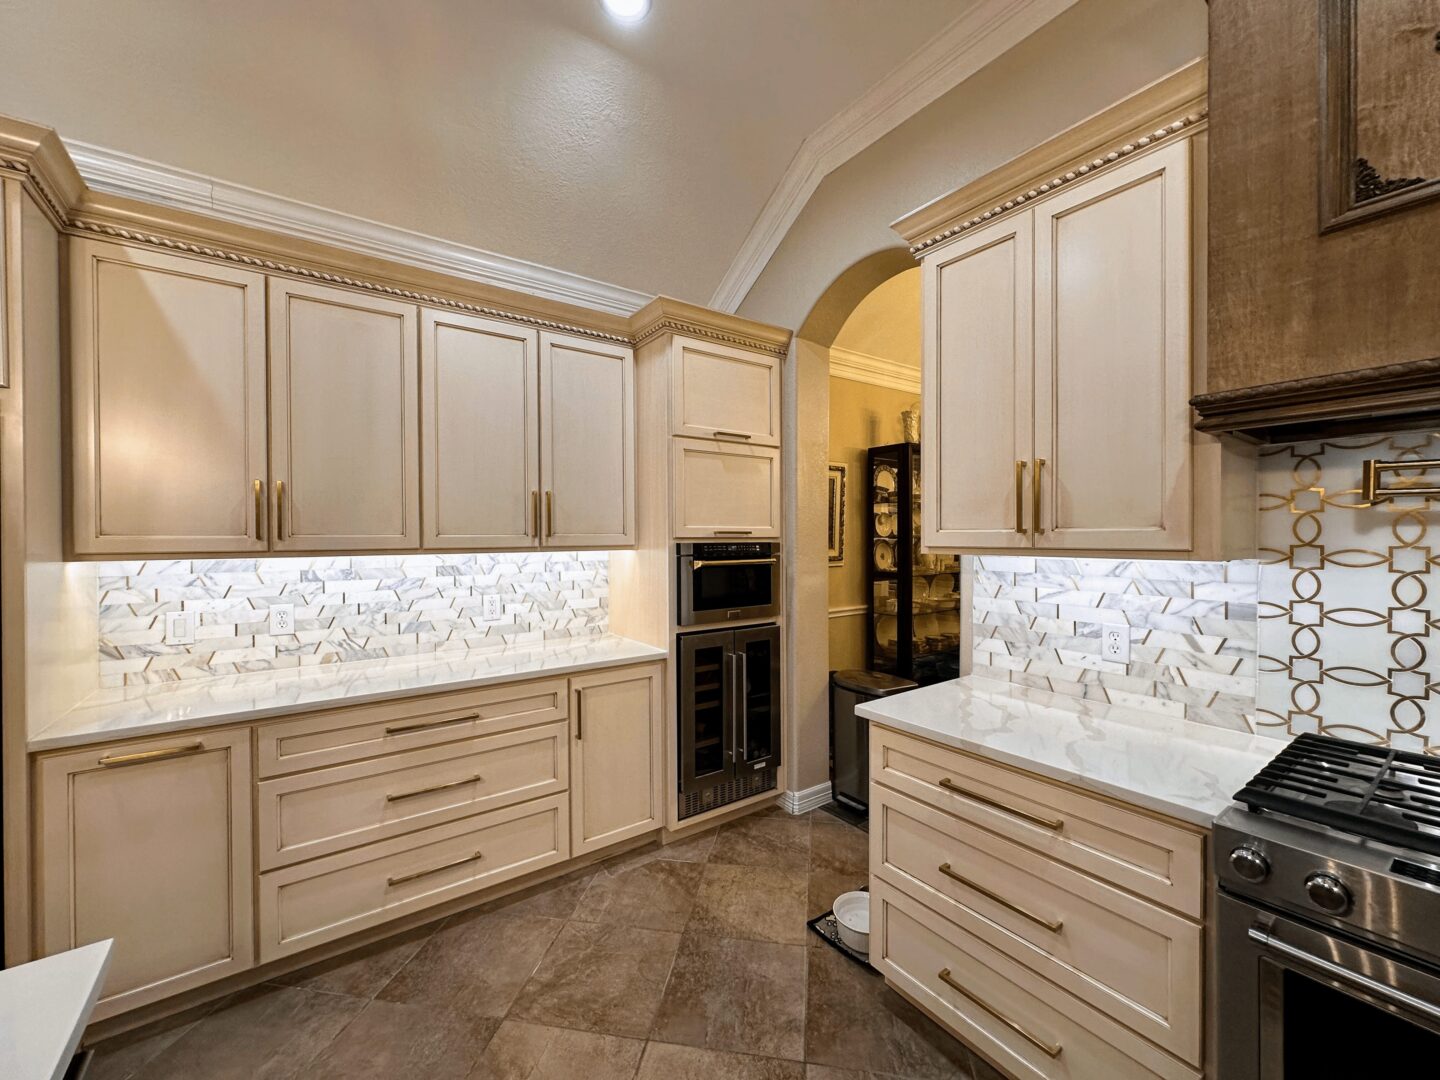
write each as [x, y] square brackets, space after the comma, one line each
[727, 582]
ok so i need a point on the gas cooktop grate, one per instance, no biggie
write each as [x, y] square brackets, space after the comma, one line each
[1387, 795]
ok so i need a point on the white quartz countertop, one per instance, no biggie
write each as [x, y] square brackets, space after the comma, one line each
[1180, 768]
[44, 1007]
[131, 711]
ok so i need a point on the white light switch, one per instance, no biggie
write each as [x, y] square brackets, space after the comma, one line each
[180, 627]
[282, 618]
[1116, 644]
[490, 607]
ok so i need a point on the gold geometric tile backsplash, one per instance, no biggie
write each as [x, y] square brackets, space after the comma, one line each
[1349, 599]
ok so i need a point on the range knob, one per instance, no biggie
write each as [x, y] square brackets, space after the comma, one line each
[1249, 864]
[1328, 893]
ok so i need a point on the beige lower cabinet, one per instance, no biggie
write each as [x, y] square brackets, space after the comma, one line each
[1023, 915]
[725, 489]
[149, 843]
[616, 756]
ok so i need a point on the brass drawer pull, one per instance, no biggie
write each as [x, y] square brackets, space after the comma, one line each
[580, 713]
[433, 788]
[426, 725]
[259, 487]
[732, 435]
[1053, 824]
[152, 755]
[401, 879]
[1020, 497]
[1053, 925]
[732, 532]
[1051, 1050]
[1035, 498]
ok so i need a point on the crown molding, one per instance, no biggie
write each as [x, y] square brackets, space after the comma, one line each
[37, 156]
[666, 315]
[132, 177]
[875, 370]
[987, 30]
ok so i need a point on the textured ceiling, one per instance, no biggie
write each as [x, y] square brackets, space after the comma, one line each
[538, 129]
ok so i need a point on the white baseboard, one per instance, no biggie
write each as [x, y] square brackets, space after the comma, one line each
[799, 802]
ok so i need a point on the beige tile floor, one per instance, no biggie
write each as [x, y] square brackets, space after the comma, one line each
[689, 962]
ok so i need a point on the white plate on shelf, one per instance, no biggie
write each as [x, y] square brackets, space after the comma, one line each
[884, 555]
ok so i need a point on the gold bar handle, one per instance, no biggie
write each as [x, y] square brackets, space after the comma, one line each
[279, 509]
[1051, 1050]
[1020, 497]
[549, 514]
[433, 788]
[733, 532]
[402, 878]
[733, 435]
[1035, 515]
[401, 729]
[579, 713]
[1053, 925]
[152, 755]
[1053, 824]
[1372, 492]
[259, 487]
[533, 526]
[700, 564]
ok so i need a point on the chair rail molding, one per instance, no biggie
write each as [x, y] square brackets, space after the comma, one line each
[122, 174]
[987, 30]
[876, 370]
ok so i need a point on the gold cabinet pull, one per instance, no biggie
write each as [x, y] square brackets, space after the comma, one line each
[1020, 497]
[732, 435]
[401, 729]
[1051, 1050]
[549, 514]
[433, 788]
[580, 713]
[1035, 497]
[534, 523]
[402, 878]
[279, 509]
[1372, 491]
[259, 487]
[733, 532]
[151, 755]
[1053, 824]
[1053, 925]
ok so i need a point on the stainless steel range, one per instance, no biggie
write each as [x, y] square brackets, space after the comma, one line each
[1328, 917]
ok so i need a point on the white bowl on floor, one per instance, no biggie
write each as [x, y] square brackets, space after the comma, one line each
[852, 916]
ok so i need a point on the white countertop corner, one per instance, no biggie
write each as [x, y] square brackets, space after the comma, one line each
[45, 1006]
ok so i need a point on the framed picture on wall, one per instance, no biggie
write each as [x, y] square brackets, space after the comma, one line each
[835, 523]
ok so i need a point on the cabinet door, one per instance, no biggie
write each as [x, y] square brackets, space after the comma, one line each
[587, 441]
[976, 388]
[344, 411]
[719, 392]
[1112, 358]
[616, 759]
[168, 402]
[725, 489]
[758, 701]
[480, 419]
[149, 843]
[707, 709]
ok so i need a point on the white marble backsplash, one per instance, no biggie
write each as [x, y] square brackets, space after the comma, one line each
[346, 609]
[1192, 626]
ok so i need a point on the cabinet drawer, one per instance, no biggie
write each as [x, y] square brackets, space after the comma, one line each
[719, 392]
[342, 735]
[726, 489]
[1031, 1028]
[316, 813]
[1136, 962]
[1162, 862]
[314, 902]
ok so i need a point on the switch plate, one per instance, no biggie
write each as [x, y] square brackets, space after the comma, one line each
[180, 627]
[490, 606]
[282, 619]
[1116, 644]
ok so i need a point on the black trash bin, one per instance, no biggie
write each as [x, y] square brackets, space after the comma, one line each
[850, 734]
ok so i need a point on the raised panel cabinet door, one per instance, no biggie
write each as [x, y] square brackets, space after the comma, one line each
[480, 423]
[587, 442]
[344, 419]
[976, 388]
[1112, 358]
[616, 756]
[720, 392]
[725, 489]
[167, 402]
[149, 843]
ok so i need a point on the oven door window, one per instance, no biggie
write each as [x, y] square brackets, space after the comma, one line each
[720, 588]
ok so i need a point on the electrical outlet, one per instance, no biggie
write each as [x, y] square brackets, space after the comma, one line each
[282, 619]
[1116, 644]
[490, 606]
[180, 627]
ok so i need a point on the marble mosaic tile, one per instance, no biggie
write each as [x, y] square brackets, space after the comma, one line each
[346, 609]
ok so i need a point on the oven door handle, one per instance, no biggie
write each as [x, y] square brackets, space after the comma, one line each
[700, 564]
[1344, 975]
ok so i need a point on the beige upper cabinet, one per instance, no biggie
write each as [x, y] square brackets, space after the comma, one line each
[480, 423]
[1112, 358]
[719, 392]
[149, 843]
[724, 489]
[168, 400]
[616, 756]
[344, 410]
[976, 379]
[587, 442]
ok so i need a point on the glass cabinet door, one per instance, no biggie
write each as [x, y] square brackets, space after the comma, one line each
[706, 709]
[757, 713]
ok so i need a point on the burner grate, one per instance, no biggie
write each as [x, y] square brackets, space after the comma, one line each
[1388, 795]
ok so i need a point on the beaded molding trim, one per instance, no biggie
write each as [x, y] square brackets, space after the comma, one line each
[23, 168]
[1060, 181]
[671, 325]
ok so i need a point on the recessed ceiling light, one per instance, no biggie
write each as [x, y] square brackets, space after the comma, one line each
[627, 10]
